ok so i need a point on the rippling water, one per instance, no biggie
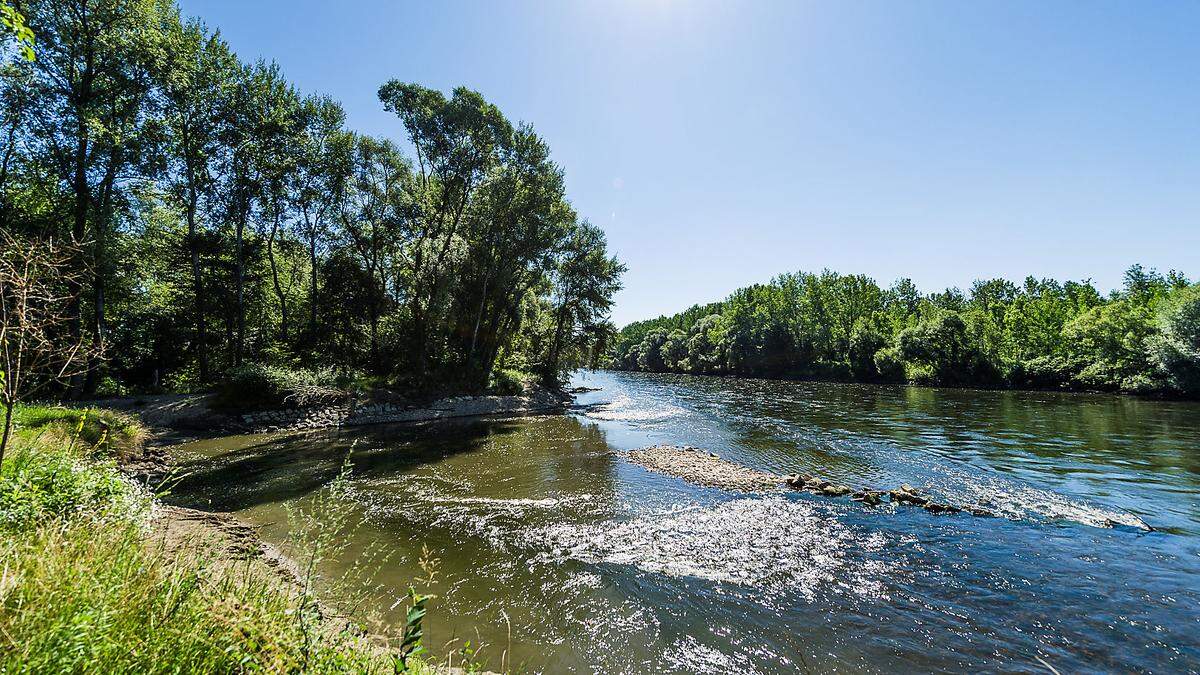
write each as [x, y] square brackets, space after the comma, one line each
[562, 555]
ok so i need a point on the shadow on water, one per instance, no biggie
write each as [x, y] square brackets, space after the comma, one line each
[239, 472]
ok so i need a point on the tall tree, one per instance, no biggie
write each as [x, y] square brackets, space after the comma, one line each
[92, 80]
[320, 175]
[456, 141]
[195, 78]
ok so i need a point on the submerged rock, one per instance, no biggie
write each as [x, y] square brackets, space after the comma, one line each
[869, 497]
[938, 509]
[906, 494]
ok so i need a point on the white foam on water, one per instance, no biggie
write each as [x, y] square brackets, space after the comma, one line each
[1017, 501]
[771, 544]
[626, 409]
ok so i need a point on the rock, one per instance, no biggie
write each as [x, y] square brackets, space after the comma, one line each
[909, 496]
[868, 497]
[835, 490]
[936, 508]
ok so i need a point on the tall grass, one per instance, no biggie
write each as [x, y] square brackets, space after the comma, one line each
[88, 583]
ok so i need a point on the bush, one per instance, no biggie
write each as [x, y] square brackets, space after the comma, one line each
[45, 479]
[889, 364]
[508, 382]
[259, 386]
[1043, 372]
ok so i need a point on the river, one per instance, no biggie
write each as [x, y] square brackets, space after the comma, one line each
[559, 555]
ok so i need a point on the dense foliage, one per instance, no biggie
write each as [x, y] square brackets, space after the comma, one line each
[223, 218]
[1042, 334]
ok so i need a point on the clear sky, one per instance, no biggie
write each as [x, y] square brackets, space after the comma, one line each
[721, 143]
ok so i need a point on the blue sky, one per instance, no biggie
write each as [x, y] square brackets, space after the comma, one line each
[721, 143]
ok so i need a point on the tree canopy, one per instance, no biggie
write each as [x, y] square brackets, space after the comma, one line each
[1144, 337]
[221, 216]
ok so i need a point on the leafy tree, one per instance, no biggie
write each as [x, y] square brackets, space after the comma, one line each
[1108, 346]
[1176, 348]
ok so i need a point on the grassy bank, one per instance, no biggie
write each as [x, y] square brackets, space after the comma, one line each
[90, 583]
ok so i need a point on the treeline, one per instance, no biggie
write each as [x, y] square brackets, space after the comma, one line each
[1043, 334]
[222, 217]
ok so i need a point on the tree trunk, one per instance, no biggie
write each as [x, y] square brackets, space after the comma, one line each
[240, 266]
[197, 283]
[8, 413]
[283, 315]
[312, 280]
[478, 318]
[556, 349]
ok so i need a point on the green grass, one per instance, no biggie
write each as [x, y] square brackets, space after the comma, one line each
[87, 584]
[107, 432]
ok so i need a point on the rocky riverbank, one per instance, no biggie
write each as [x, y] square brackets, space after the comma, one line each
[356, 413]
[175, 418]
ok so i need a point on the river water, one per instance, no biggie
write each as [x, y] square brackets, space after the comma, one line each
[558, 555]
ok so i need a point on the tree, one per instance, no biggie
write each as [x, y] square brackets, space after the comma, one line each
[36, 348]
[520, 219]
[1176, 349]
[1109, 347]
[321, 174]
[584, 282]
[456, 141]
[90, 86]
[371, 212]
[195, 77]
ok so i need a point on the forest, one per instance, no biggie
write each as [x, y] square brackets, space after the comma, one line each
[1042, 334]
[211, 217]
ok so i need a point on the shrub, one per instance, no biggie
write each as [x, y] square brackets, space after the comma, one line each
[1043, 372]
[46, 479]
[508, 382]
[889, 364]
[260, 386]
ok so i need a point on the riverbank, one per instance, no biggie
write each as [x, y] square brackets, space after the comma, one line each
[1150, 395]
[99, 576]
[177, 417]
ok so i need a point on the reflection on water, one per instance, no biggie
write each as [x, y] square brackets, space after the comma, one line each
[591, 563]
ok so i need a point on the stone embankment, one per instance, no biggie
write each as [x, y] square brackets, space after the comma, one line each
[177, 418]
[355, 413]
[706, 469]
